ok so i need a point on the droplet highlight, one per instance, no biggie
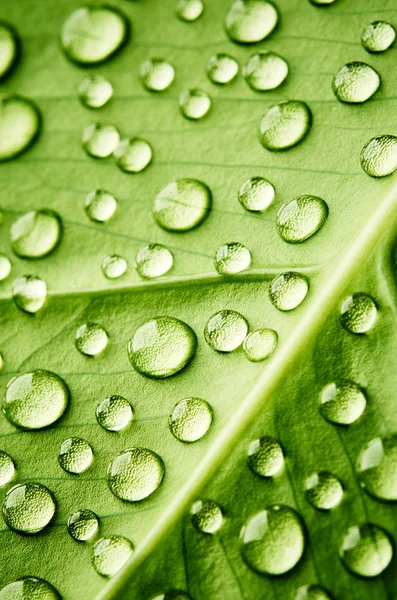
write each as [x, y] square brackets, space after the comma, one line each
[287, 291]
[358, 313]
[36, 234]
[114, 413]
[222, 68]
[100, 206]
[232, 258]
[378, 36]
[110, 554]
[95, 91]
[285, 124]
[28, 507]
[299, 219]
[156, 74]
[83, 525]
[91, 339]
[20, 124]
[100, 140]
[323, 490]
[355, 83]
[378, 158]
[135, 474]
[342, 402]
[256, 194]
[260, 344]
[225, 331]
[265, 71]
[133, 155]
[265, 456]
[366, 551]
[250, 21]
[153, 260]
[206, 516]
[190, 419]
[377, 468]
[194, 104]
[182, 205]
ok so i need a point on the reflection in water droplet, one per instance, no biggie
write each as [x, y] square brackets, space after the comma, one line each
[301, 218]
[287, 291]
[265, 70]
[83, 525]
[285, 124]
[232, 258]
[207, 516]
[312, 592]
[182, 204]
[225, 331]
[114, 413]
[194, 104]
[222, 68]
[323, 490]
[377, 468]
[189, 10]
[366, 551]
[358, 313]
[265, 456]
[100, 139]
[35, 400]
[114, 266]
[91, 339]
[256, 194]
[190, 419]
[378, 36]
[36, 233]
[7, 468]
[153, 260]
[260, 344]
[342, 402]
[28, 507]
[100, 205]
[379, 156]
[110, 554]
[9, 49]
[75, 455]
[29, 588]
[250, 21]
[135, 474]
[355, 83]
[273, 540]
[133, 155]
[20, 123]
[156, 74]
[29, 293]
[5, 266]
[95, 91]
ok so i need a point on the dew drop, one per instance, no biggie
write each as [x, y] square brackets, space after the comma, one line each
[35, 400]
[91, 339]
[301, 218]
[265, 70]
[366, 551]
[9, 49]
[135, 474]
[260, 344]
[194, 104]
[153, 260]
[265, 456]
[222, 68]
[377, 468]
[355, 83]
[5, 266]
[133, 155]
[95, 91]
[114, 266]
[378, 36]
[190, 419]
[358, 313]
[7, 468]
[312, 592]
[323, 490]
[322, 2]
[162, 347]
[273, 540]
[256, 194]
[173, 595]
[156, 74]
[182, 205]
[29, 588]
[285, 124]
[29, 293]
[232, 258]
[36, 233]
[28, 507]
[75, 455]
[226, 330]
[100, 205]
[114, 413]
[342, 402]
[206, 516]
[83, 525]
[100, 139]
[287, 291]
[379, 156]
[20, 123]
[110, 554]
[189, 10]
[250, 21]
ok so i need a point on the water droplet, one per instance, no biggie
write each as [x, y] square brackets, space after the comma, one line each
[95, 91]
[135, 474]
[36, 233]
[182, 205]
[91, 339]
[358, 313]
[1, 361]
[222, 68]
[273, 540]
[133, 155]
[29, 588]
[323, 490]
[260, 344]
[9, 49]
[367, 550]
[189, 10]
[265, 456]
[301, 218]
[75, 455]
[265, 70]
[100, 205]
[287, 291]
[250, 21]
[207, 516]
[153, 260]
[355, 83]
[156, 74]
[35, 400]
[173, 595]
[377, 468]
[225, 331]
[379, 156]
[83, 525]
[194, 104]
[114, 266]
[28, 507]
[110, 554]
[100, 139]
[322, 2]
[92, 34]
[312, 592]
[5, 266]
[256, 194]
[190, 419]
[29, 293]
[285, 124]
[232, 258]
[20, 123]
[114, 413]
[7, 468]
[342, 402]
[378, 36]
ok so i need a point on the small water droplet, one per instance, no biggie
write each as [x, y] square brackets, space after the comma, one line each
[75, 455]
[250, 21]
[260, 344]
[358, 313]
[378, 36]
[301, 218]
[133, 155]
[206, 516]
[285, 124]
[29, 588]
[287, 291]
[9, 49]
[35, 400]
[110, 554]
[29, 293]
[5, 266]
[92, 34]
[7, 468]
[273, 540]
[182, 205]
[342, 402]
[189, 10]
[265, 70]
[355, 83]
[379, 156]
[173, 595]
[265, 456]
[190, 419]
[377, 468]
[114, 413]
[83, 525]
[256, 194]
[135, 474]
[312, 592]
[232, 258]
[323, 490]
[322, 2]
[20, 124]
[28, 507]
[95, 91]
[36, 233]
[153, 260]
[194, 104]
[222, 68]
[114, 266]
[156, 74]
[91, 339]
[100, 205]
[226, 330]
[100, 139]
[366, 551]
[161, 347]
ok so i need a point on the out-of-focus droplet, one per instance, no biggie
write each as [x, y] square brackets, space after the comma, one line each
[29, 293]
[250, 21]
[156, 74]
[114, 266]
[312, 592]
[110, 554]
[36, 233]
[260, 344]
[285, 124]
[153, 260]
[95, 91]
[5, 266]
[256, 194]
[182, 205]
[9, 49]
[355, 83]
[7, 468]
[222, 68]
[377, 468]
[265, 70]
[133, 155]
[358, 313]
[265, 456]
[287, 291]
[20, 124]
[189, 10]
[194, 104]
[100, 139]
[100, 205]
[206, 516]
[232, 258]
[378, 36]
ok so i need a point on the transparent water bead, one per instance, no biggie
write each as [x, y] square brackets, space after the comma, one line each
[162, 347]
[9, 49]
[342, 402]
[250, 21]
[91, 339]
[100, 205]
[273, 540]
[232, 258]
[28, 507]
[92, 34]
[114, 266]
[378, 36]
[36, 234]
[222, 68]
[367, 550]
[133, 155]
[5, 266]
[173, 595]
[265, 456]
[83, 525]
[29, 293]
[301, 218]
[194, 104]
[182, 205]
[285, 124]
[7, 468]
[355, 83]
[323, 490]
[95, 91]
[36, 399]
[256, 194]
[225, 331]
[260, 344]
[189, 10]
[20, 124]
[135, 474]
[29, 588]
[379, 156]
[153, 260]
[358, 313]
[206, 516]
[265, 70]
[377, 468]
[100, 140]
[114, 413]
[287, 291]
[312, 592]
[156, 74]
[190, 419]
[75, 455]
[110, 554]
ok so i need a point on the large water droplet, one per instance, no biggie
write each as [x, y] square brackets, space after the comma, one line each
[256, 194]
[5, 266]
[342, 402]
[287, 291]
[29, 588]
[222, 68]
[250, 21]
[83, 525]
[182, 204]
[190, 419]
[20, 123]
[379, 156]
[91, 339]
[260, 344]
[358, 313]
[9, 49]
[28, 507]
[114, 266]
[285, 124]
[156, 74]
[265, 70]
[135, 474]
[110, 554]
[114, 413]
[367, 550]
[36, 233]
[355, 83]
[207, 516]
[323, 490]
[301, 218]
[7, 468]
[100, 139]
[226, 330]
[232, 258]
[95, 91]
[378, 36]
[312, 592]
[273, 540]
[100, 205]
[194, 104]
[265, 456]
[75, 455]
[29, 293]
[189, 10]
[153, 260]
[133, 155]
[377, 468]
